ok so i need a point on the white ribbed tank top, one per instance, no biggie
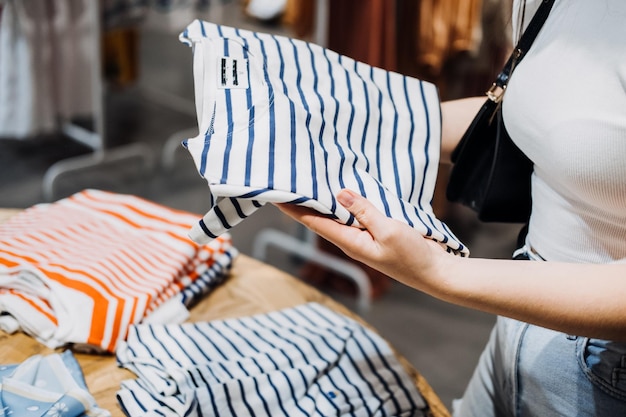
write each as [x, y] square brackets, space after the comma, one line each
[565, 107]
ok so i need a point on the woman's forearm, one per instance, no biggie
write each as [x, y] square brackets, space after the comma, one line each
[580, 299]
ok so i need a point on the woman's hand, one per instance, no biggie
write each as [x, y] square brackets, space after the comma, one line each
[387, 245]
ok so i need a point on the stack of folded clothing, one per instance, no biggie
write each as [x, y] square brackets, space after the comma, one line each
[306, 360]
[81, 270]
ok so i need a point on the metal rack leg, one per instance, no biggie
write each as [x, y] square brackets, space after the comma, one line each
[172, 145]
[307, 250]
[99, 157]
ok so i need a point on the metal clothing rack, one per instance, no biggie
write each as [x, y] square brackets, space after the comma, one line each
[306, 248]
[95, 139]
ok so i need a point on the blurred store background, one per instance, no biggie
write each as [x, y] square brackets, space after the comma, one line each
[102, 98]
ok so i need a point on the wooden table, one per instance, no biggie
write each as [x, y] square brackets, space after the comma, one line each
[252, 288]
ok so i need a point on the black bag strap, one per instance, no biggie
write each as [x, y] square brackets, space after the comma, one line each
[496, 91]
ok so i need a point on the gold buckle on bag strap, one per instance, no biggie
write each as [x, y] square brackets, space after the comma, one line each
[495, 93]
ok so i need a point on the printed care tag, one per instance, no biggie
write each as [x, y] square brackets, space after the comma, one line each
[233, 72]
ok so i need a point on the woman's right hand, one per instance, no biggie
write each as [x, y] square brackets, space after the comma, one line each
[387, 245]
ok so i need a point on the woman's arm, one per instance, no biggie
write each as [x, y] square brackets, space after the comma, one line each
[580, 299]
[456, 117]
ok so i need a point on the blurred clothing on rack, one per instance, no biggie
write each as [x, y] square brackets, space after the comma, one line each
[457, 44]
[364, 30]
[121, 56]
[125, 13]
[47, 50]
[445, 28]
[299, 16]
[50, 66]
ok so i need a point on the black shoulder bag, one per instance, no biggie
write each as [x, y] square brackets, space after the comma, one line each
[490, 174]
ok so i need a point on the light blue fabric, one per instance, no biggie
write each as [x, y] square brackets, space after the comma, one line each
[50, 386]
[530, 371]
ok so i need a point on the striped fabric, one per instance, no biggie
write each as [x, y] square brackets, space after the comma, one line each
[286, 121]
[302, 361]
[82, 269]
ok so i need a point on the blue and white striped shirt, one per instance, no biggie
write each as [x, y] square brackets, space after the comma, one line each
[286, 121]
[301, 361]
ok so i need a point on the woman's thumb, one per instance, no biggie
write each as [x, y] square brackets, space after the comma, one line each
[359, 207]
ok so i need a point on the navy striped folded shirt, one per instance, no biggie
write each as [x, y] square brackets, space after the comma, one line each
[301, 361]
[287, 121]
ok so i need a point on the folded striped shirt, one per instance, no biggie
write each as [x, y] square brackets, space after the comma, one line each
[84, 268]
[286, 121]
[301, 361]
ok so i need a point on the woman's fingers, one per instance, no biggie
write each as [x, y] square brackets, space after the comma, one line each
[368, 216]
[326, 227]
[383, 243]
[354, 241]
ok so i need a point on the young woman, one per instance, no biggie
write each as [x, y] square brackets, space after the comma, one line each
[559, 345]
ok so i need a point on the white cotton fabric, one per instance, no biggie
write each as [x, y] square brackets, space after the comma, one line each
[286, 121]
[575, 129]
[301, 361]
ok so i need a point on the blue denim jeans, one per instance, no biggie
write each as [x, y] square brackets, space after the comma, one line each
[530, 371]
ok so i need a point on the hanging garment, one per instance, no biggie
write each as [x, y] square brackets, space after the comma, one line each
[47, 64]
[299, 17]
[301, 361]
[446, 28]
[26, 88]
[366, 30]
[121, 56]
[50, 385]
[84, 268]
[286, 121]
[75, 37]
[123, 13]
